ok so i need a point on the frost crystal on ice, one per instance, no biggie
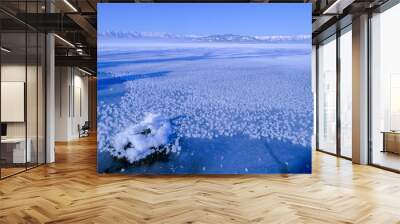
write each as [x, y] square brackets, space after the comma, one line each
[210, 91]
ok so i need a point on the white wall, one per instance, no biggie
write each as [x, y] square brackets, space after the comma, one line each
[13, 101]
[17, 73]
[62, 82]
[80, 89]
[33, 126]
[70, 83]
[14, 72]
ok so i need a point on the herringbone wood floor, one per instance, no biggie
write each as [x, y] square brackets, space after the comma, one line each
[70, 191]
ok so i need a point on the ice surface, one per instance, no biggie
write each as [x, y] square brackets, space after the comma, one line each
[208, 92]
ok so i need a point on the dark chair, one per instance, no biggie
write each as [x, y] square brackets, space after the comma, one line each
[84, 130]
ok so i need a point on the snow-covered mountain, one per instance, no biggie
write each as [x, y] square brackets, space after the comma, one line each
[205, 38]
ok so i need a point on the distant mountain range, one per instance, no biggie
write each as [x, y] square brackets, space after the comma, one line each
[205, 38]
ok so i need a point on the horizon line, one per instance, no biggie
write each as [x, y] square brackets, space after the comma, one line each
[201, 35]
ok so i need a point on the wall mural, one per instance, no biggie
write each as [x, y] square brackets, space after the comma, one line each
[204, 88]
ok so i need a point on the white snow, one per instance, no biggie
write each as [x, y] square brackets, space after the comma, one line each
[139, 141]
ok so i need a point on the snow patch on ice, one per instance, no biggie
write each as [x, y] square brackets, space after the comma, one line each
[138, 141]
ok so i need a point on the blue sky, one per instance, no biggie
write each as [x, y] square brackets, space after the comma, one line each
[211, 18]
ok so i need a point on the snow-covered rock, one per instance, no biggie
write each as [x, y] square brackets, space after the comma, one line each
[151, 135]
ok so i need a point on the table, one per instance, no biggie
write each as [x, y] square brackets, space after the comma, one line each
[391, 141]
[16, 147]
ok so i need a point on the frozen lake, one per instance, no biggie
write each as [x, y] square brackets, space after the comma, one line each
[223, 107]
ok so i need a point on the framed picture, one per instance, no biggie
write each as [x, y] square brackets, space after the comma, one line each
[204, 88]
